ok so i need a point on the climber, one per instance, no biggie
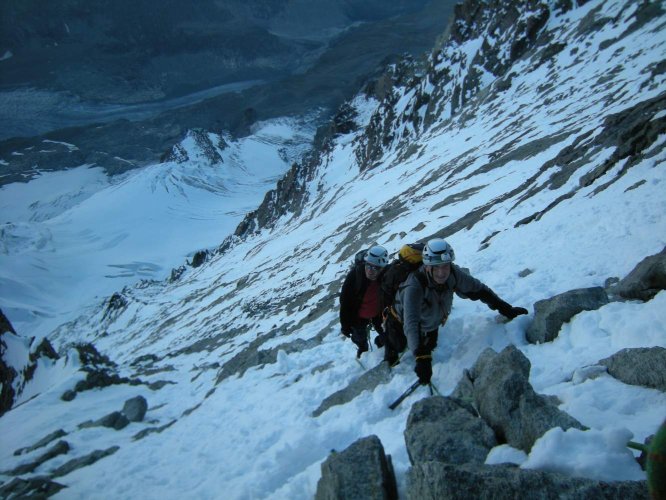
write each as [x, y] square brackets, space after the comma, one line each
[359, 297]
[423, 302]
[409, 260]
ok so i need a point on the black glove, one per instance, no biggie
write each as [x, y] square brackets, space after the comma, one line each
[346, 333]
[423, 366]
[511, 312]
[380, 340]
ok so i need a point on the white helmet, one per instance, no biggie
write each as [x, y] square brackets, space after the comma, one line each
[377, 256]
[437, 252]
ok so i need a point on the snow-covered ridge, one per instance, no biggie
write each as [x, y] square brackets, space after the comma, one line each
[543, 182]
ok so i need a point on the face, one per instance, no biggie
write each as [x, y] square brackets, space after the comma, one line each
[439, 273]
[372, 272]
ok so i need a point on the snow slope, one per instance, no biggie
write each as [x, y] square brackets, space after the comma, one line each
[73, 235]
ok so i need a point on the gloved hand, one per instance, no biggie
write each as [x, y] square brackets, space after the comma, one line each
[380, 340]
[511, 312]
[423, 366]
[346, 333]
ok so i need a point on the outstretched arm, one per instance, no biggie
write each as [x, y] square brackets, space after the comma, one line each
[471, 288]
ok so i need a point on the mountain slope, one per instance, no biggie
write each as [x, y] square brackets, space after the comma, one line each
[544, 170]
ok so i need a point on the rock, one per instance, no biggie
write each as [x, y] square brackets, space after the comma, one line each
[380, 374]
[507, 402]
[5, 324]
[42, 442]
[199, 258]
[115, 305]
[177, 273]
[100, 372]
[84, 461]
[551, 314]
[644, 366]
[60, 448]
[152, 430]
[36, 487]
[439, 429]
[18, 361]
[114, 420]
[360, 471]
[645, 281]
[506, 482]
[135, 409]
[68, 395]
[525, 272]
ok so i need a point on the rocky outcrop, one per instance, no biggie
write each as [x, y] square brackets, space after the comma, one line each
[79, 463]
[550, 314]
[100, 372]
[7, 372]
[641, 366]
[42, 442]
[34, 487]
[289, 196]
[362, 470]
[445, 430]
[498, 386]
[19, 358]
[60, 448]
[506, 482]
[645, 281]
[135, 409]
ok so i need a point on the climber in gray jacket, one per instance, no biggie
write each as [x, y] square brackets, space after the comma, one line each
[423, 302]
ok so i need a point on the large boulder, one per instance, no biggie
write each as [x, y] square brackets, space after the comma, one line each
[507, 482]
[645, 281]
[498, 384]
[360, 471]
[551, 314]
[443, 430]
[644, 366]
[135, 409]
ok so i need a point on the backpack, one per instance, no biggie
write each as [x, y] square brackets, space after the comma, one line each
[409, 260]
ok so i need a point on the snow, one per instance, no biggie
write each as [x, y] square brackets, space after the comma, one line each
[72, 238]
[579, 454]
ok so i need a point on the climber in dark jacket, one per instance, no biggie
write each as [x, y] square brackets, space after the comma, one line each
[423, 302]
[360, 298]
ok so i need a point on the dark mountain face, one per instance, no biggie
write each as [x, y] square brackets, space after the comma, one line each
[130, 51]
[123, 81]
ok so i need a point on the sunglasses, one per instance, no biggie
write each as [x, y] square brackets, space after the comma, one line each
[371, 267]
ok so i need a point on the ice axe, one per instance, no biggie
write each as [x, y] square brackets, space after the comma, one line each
[655, 466]
[404, 395]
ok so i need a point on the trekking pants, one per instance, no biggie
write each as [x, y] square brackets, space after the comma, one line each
[396, 340]
[359, 336]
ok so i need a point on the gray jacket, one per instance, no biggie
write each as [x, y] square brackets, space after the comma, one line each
[423, 309]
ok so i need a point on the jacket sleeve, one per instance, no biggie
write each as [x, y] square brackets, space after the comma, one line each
[347, 313]
[471, 288]
[412, 297]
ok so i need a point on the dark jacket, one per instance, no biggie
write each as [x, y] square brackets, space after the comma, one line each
[351, 298]
[423, 305]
